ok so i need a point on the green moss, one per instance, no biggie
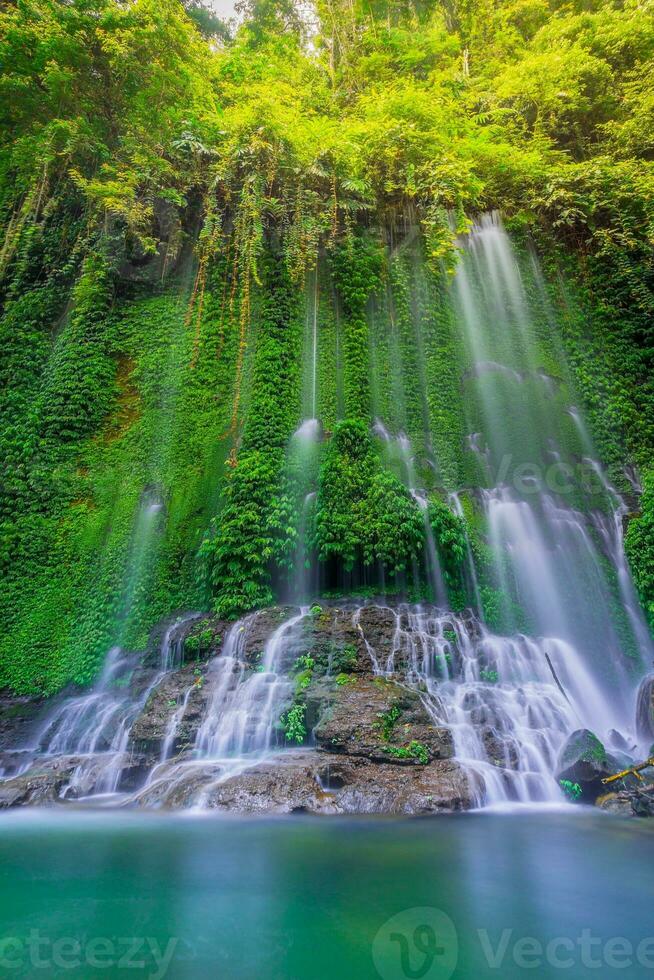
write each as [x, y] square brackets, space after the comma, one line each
[356, 268]
[415, 750]
[639, 545]
[364, 513]
[252, 533]
[120, 384]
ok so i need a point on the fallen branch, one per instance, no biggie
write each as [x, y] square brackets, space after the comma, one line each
[634, 771]
[556, 679]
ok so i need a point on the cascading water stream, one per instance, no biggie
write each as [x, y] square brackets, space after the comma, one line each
[247, 697]
[402, 444]
[432, 562]
[247, 701]
[554, 548]
[552, 561]
[314, 349]
[96, 727]
[302, 464]
[494, 693]
[473, 579]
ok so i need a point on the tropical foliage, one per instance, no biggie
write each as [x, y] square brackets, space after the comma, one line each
[169, 184]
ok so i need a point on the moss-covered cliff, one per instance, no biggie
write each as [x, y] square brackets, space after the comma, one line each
[206, 240]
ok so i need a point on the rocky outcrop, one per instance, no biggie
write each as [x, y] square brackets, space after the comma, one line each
[370, 743]
[308, 781]
[185, 689]
[379, 720]
[44, 782]
[353, 731]
[18, 717]
[634, 801]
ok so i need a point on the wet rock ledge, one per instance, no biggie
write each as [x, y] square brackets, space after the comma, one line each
[363, 743]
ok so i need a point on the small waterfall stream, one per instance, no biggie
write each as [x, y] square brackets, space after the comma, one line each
[565, 569]
[247, 696]
[432, 561]
[246, 701]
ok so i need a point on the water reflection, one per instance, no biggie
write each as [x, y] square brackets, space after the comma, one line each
[312, 898]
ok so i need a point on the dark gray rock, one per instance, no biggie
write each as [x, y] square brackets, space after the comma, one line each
[501, 752]
[18, 719]
[632, 802]
[584, 761]
[151, 726]
[376, 627]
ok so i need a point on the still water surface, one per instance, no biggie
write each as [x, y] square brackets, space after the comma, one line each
[545, 894]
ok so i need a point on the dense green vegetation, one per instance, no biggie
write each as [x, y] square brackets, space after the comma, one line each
[179, 198]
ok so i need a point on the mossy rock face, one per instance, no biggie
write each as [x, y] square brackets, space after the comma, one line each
[584, 761]
[150, 727]
[18, 717]
[645, 709]
[381, 721]
[204, 638]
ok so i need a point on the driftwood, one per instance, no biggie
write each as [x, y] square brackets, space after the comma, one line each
[634, 771]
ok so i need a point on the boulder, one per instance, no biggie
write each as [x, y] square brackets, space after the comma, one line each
[584, 761]
[632, 802]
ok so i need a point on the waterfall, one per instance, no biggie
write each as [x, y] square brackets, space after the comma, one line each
[400, 445]
[567, 646]
[142, 551]
[495, 693]
[561, 566]
[310, 347]
[248, 692]
[314, 348]
[432, 561]
[302, 460]
[471, 571]
[96, 727]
